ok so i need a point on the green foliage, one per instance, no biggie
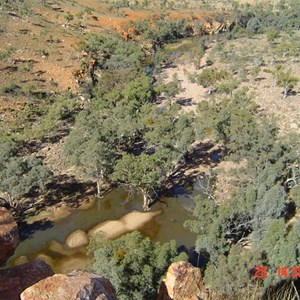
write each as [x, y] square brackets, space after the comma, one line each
[210, 228]
[19, 175]
[133, 264]
[143, 173]
[257, 211]
[11, 88]
[112, 53]
[280, 247]
[227, 87]
[22, 7]
[7, 52]
[272, 35]
[254, 25]
[170, 89]
[117, 4]
[230, 274]
[91, 145]
[118, 136]
[287, 49]
[69, 17]
[285, 79]
[209, 77]
[261, 17]
[63, 107]
[295, 194]
[177, 132]
[231, 121]
[165, 30]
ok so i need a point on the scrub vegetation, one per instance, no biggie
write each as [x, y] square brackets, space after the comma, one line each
[124, 124]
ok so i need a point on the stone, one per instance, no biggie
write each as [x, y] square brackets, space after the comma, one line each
[75, 286]
[46, 258]
[76, 239]
[14, 281]
[21, 260]
[9, 235]
[183, 281]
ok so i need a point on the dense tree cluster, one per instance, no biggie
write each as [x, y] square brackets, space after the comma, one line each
[118, 136]
[134, 264]
[262, 17]
[18, 175]
[257, 214]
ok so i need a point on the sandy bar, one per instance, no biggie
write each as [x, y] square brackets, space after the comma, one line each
[130, 222]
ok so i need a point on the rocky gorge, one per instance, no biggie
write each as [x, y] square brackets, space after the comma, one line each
[36, 280]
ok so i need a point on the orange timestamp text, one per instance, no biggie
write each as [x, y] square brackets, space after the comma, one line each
[261, 272]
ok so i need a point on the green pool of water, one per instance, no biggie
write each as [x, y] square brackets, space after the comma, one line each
[115, 204]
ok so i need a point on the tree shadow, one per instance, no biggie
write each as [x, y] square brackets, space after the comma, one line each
[260, 79]
[168, 65]
[27, 230]
[202, 154]
[185, 101]
[34, 146]
[198, 260]
[65, 188]
[285, 289]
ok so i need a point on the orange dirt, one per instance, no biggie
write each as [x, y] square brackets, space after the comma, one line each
[45, 54]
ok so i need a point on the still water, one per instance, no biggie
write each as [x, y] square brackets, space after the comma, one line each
[164, 227]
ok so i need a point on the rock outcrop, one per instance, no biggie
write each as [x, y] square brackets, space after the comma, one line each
[75, 286]
[183, 282]
[76, 239]
[9, 235]
[215, 27]
[15, 280]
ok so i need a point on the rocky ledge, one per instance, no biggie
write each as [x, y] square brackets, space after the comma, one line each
[14, 281]
[9, 235]
[75, 286]
[183, 281]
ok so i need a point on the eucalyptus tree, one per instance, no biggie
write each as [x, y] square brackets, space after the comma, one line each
[134, 264]
[143, 173]
[18, 175]
[91, 146]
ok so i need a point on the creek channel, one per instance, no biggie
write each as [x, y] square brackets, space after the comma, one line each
[163, 223]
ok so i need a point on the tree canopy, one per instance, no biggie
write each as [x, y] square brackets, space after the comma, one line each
[133, 264]
[18, 175]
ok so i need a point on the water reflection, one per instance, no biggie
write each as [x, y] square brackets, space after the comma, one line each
[115, 204]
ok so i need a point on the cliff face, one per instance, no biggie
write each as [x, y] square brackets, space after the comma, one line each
[9, 236]
[14, 281]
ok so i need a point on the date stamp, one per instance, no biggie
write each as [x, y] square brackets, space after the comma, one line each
[261, 272]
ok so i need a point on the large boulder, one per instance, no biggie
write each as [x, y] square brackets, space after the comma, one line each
[183, 281]
[15, 280]
[76, 239]
[77, 285]
[9, 235]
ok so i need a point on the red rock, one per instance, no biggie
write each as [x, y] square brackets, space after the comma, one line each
[9, 235]
[15, 280]
[183, 282]
[75, 286]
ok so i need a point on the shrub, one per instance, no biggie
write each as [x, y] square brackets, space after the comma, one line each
[133, 264]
